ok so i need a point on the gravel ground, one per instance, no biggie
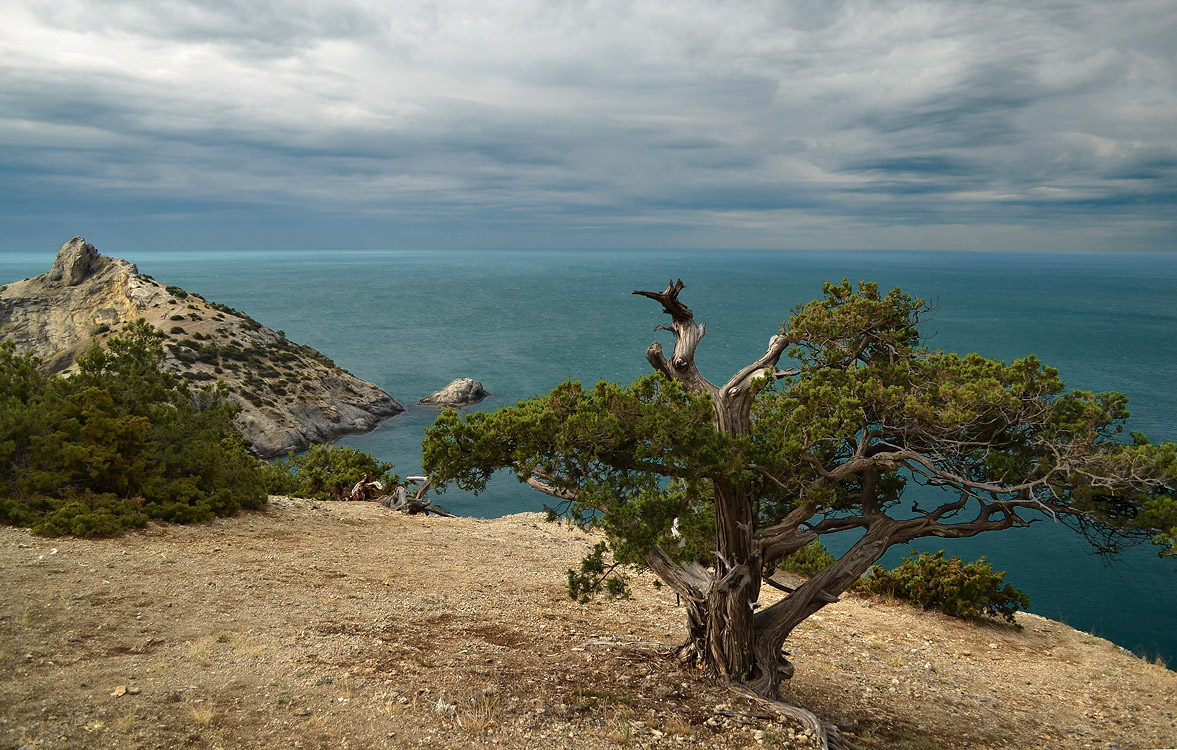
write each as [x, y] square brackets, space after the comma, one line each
[341, 625]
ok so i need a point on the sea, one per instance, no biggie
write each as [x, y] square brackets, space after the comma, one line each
[523, 321]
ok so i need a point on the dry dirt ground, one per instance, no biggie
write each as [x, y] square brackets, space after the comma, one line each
[342, 625]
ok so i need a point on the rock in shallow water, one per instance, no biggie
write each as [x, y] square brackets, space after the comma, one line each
[461, 392]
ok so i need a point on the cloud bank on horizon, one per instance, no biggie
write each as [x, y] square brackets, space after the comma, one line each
[589, 123]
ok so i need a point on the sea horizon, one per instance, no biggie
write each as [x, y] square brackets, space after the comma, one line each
[521, 321]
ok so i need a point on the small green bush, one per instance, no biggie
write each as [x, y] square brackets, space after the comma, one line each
[327, 472]
[956, 588]
[278, 479]
[91, 515]
[808, 561]
[176, 292]
[597, 576]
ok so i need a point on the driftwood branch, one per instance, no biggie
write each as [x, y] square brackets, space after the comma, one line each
[400, 500]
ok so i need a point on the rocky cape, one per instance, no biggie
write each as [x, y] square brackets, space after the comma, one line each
[291, 395]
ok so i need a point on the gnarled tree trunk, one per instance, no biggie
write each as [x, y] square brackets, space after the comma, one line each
[721, 616]
[731, 639]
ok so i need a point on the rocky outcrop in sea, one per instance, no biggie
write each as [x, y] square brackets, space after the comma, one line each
[461, 392]
[291, 395]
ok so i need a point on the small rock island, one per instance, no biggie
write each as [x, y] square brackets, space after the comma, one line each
[461, 392]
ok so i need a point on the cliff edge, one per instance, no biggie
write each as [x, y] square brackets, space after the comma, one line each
[291, 395]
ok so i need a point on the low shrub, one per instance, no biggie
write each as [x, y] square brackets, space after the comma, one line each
[954, 587]
[597, 576]
[328, 472]
[91, 515]
[808, 561]
[278, 478]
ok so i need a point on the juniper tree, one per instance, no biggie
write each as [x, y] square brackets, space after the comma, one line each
[711, 485]
[118, 442]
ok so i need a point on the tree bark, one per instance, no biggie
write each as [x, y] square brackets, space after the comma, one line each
[728, 631]
[720, 618]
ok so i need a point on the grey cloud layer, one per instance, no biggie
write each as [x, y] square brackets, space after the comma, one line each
[821, 124]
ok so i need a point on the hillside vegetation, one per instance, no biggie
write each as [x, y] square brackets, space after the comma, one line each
[291, 395]
[121, 441]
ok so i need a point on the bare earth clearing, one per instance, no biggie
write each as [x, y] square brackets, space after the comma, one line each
[341, 625]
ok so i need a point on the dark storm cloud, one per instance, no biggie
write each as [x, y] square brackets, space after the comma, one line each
[773, 124]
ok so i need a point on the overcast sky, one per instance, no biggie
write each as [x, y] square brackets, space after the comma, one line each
[598, 124]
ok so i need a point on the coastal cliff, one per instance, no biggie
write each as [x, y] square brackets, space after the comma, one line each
[291, 395]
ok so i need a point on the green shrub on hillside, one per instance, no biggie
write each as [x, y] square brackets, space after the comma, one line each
[327, 472]
[956, 588]
[119, 442]
[808, 561]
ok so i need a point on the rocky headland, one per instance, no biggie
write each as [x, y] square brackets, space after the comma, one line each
[291, 395]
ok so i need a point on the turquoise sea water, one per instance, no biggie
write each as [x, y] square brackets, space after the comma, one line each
[523, 321]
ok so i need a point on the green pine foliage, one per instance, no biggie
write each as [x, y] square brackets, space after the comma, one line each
[808, 561]
[612, 443]
[597, 576]
[327, 472]
[119, 442]
[833, 440]
[956, 588]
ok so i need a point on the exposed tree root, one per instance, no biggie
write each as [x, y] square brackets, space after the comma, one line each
[828, 736]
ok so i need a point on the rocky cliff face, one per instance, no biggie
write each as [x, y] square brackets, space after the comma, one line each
[291, 395]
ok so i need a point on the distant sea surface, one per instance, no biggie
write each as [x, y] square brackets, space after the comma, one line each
[521, 322]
